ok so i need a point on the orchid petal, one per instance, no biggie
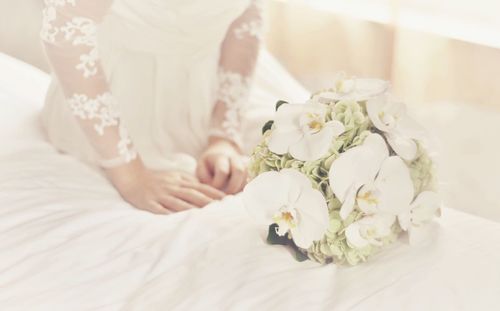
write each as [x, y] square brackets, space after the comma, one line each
[287, 116]
[368, 88]
[298, 182]
[381, 227]
[313, 146]
[313, 219]
[324, 97]
[369, 230]
[265, 194]
[395, 186]
[357, 166]
[404, 219]
[406, 148]
[378, 147]
[280, 140]
[353, 236]
[348, 202]
[425, 207]
[357, 90]
[337, 127]
[366, 199]
[408, 127]
[375, 108]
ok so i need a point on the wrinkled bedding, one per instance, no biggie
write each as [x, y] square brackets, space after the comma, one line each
[68, 242]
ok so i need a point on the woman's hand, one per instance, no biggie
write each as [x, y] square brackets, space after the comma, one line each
[222, 166]
[160, 192]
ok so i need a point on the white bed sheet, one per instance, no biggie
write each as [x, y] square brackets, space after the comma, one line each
[68, 242]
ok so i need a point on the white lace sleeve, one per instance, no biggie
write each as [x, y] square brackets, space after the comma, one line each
[70, 39]
[239, 53]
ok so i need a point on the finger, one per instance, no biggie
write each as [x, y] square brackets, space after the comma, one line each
[157, 208]
[222, 169]
[175, 204]
[187, 177]
[238, 176]
[203, 173]
[192, 196]
[207, 190]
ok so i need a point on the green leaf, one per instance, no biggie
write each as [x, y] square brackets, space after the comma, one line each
[274, 239]
[299, 256]
[279, 103]
[267, 126]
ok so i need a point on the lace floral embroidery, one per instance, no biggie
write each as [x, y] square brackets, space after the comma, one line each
[254, 27]
[233, 92]
[102, 108]
[125, 149]
[82, 31]
[49, 31]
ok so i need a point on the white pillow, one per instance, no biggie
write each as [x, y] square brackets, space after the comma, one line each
[22, 93]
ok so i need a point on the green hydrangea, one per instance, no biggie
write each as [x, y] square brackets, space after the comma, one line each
[422, 171]
[350, 113]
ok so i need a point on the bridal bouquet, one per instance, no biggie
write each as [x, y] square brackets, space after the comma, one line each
[343, 175]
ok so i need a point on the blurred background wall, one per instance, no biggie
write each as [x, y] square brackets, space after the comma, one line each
[446, 50]
[442, 57]
[20, 23]
[430, 50]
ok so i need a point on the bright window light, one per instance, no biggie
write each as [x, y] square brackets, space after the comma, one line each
[472, 21]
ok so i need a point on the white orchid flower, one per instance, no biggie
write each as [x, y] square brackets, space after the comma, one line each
[302, 130]
[422, 210]
[391, 192]
[353, 89]
[288, 199]
[367, 176]
[354, 168]
[399, 128]
[369, 230]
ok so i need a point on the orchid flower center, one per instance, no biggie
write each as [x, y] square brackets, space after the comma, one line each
[372, 234]
[369, 197]
[344, 86]
[286, 219]
[312, 123]
[389, 120]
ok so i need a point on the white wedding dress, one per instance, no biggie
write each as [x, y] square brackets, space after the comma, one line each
[156, 78]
